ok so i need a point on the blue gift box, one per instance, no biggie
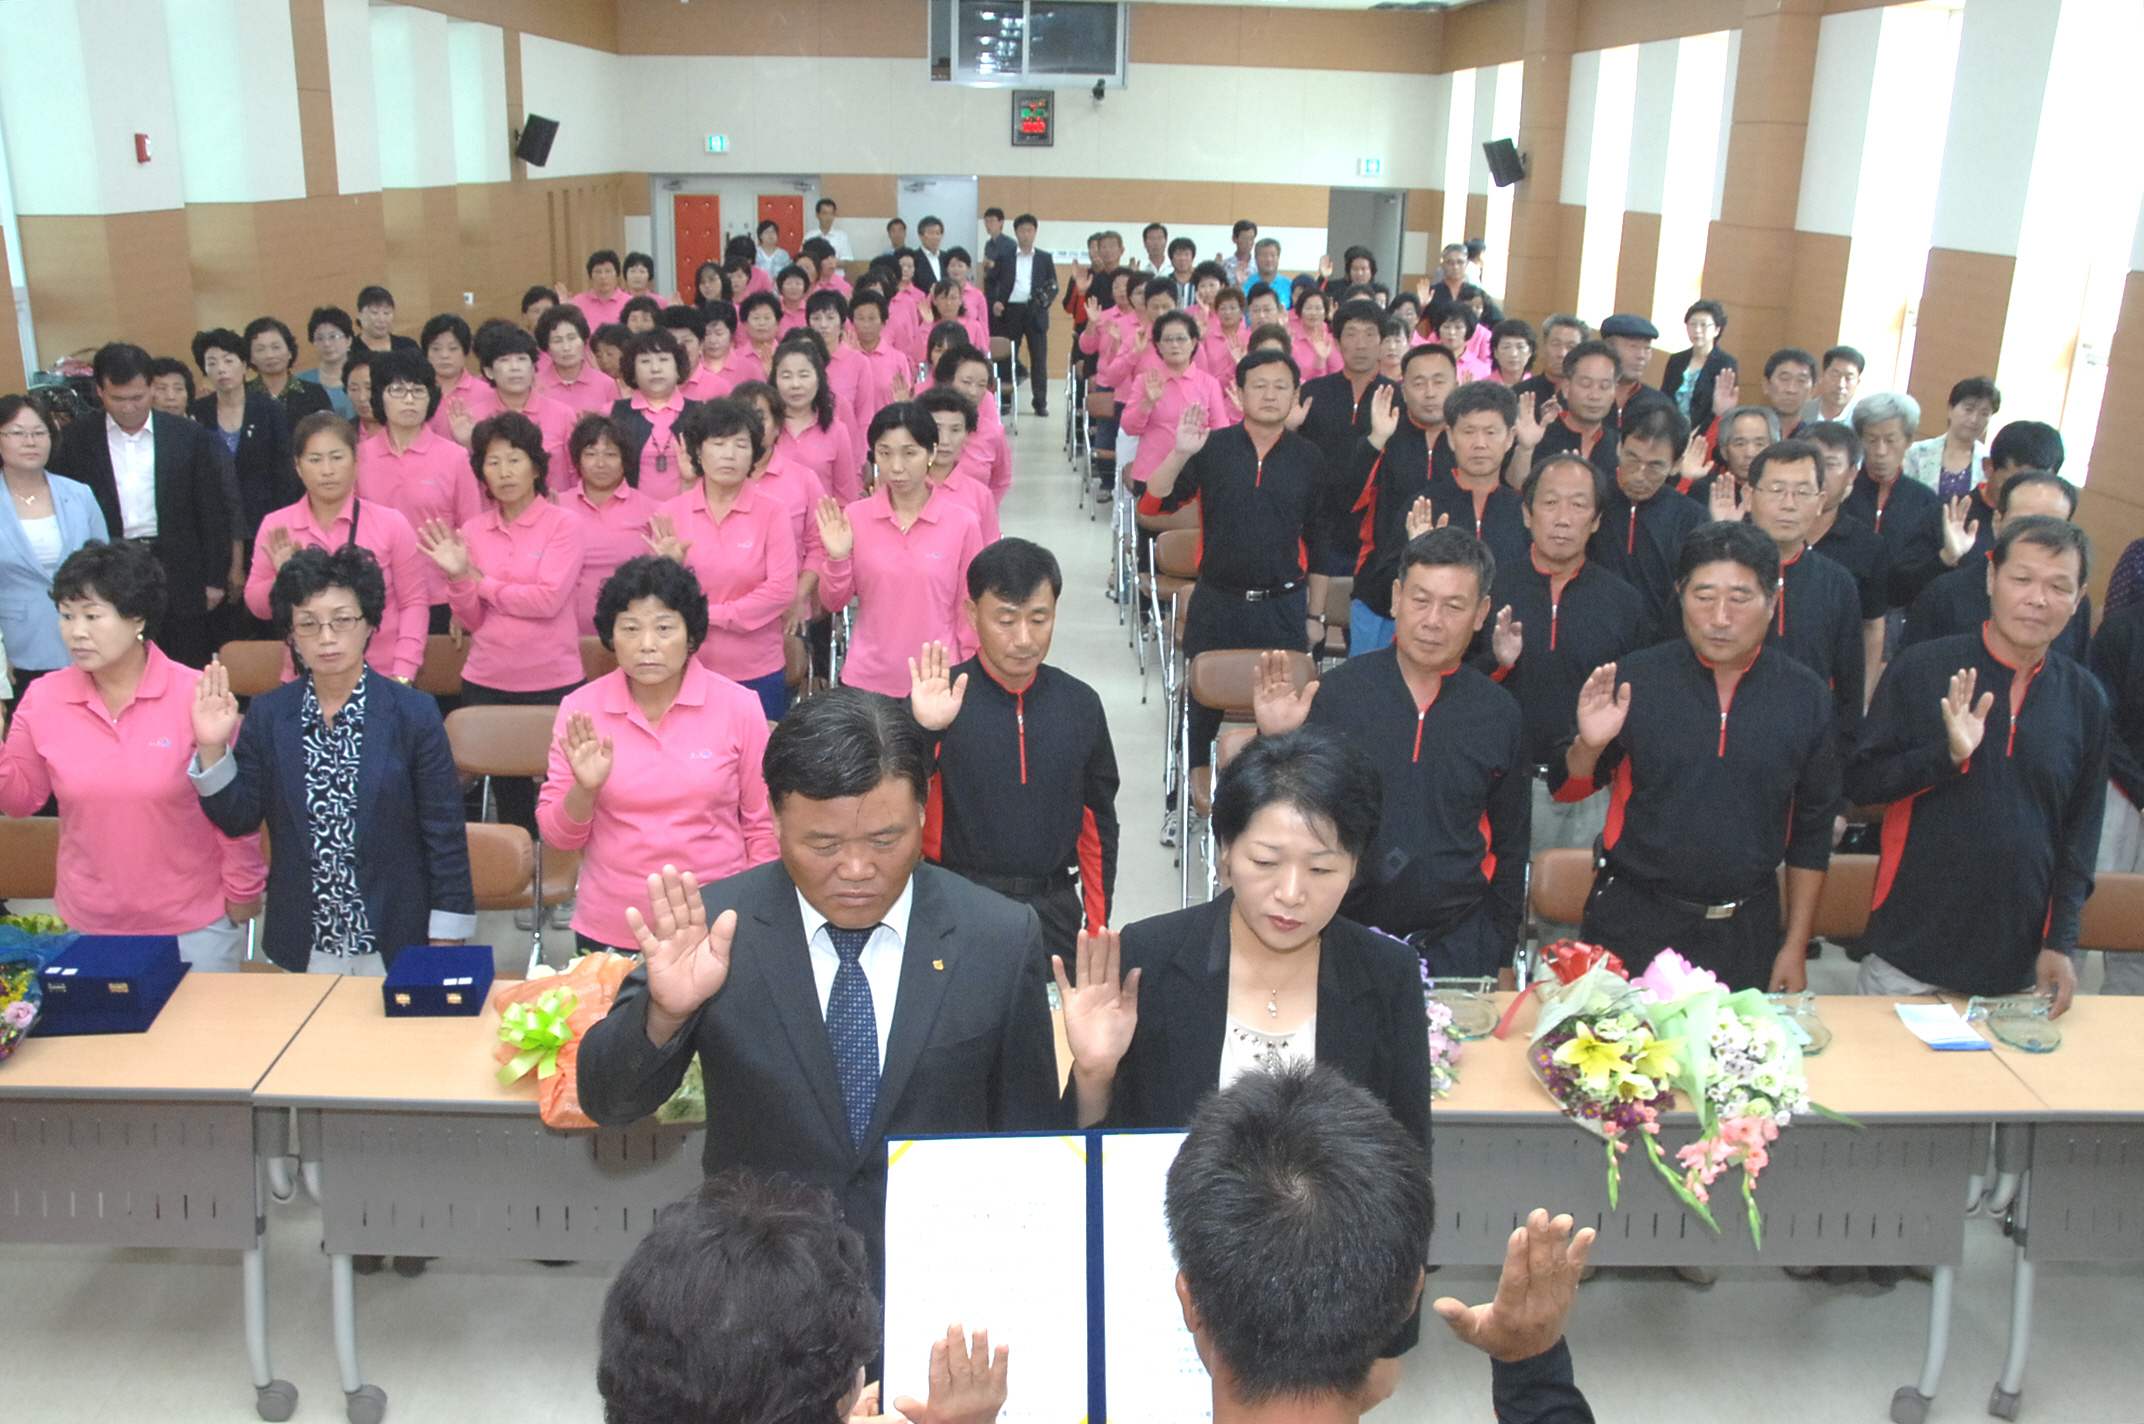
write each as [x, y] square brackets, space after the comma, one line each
[438, 981]
[109, 984]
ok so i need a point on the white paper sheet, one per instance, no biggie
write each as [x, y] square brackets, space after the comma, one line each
[1940, 1026]
[1151, 1366]
[991, 1231]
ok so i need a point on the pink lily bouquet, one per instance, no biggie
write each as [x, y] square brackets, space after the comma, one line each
[1444, 1043]
[1741, 1068]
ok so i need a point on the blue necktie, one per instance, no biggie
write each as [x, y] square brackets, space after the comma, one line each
[852, 1028]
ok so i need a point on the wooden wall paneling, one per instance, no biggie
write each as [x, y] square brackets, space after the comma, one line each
[1638, 267]
[99, 279]
[316, 113]
[1285, 204]
[1965, 299]
[1477, 214]
[1541, 270]
[1608, 24]
[1498, 32]
[1816, 302]
[861, 195]
[2111, 507]
[865, 29]
[591, 24]
[1425, 213]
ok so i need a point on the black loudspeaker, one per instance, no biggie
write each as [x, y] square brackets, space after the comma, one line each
[534, 147]
[1505, 165]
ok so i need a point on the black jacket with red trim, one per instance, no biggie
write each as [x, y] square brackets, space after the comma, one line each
[1957, 602]
[1982, 864]
[1497, 520]
[1027, 784]
[1859, 549]
[1594, 618]
[1639, 544]
[1458, 813]
[2118, 663]
[1708, 800]
[1337, 420]
[1379, 487]
[1909, 516]
[1817, 622]
[1562, 438]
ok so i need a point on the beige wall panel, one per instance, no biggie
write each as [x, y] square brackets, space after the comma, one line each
[868, 29]
[1495, 33]
[1637, 265]
[1964, 302]
[1819, 291]
[1607, 24]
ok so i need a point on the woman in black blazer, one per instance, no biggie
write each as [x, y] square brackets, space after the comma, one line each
[1268, 971]
[351, 773]
[1706, 323]
[253, 429]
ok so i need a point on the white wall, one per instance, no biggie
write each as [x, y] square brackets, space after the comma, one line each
[352, 100]
[2003, 57]
[78, 79]
[476, 58]
[653, 113]
[234, 77]
[413, 97]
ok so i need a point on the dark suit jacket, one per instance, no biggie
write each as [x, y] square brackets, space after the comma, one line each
[1701, 411]
[412, 842]
[193, 526]
[267, 476]
[1041, 288]
[1371, 1024]
[970, 1048]
[634, 428]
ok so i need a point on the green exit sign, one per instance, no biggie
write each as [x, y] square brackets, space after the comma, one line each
[718, 143]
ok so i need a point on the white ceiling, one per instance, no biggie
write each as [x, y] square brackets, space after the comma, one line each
[1427, 5]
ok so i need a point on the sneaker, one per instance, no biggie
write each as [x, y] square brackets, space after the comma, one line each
[410, 1267]
[1171, 829]
[1702, 1277]
[562, 915]
[525, 918]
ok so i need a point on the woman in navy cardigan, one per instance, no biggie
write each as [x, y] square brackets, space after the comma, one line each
[351, 773]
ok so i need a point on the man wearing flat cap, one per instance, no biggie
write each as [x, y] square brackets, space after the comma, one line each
[1631, 337]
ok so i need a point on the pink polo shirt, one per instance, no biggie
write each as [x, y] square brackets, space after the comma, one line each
[1307, 359]
[520, 612]
[829, 453]
[661, 447]
[747, 567]
[397, 647]
[611, 533]
[136, 856]
[965, 489]
[1217, 356]
[880, 368]
[793, 319]
[912, 582]
[798, 491]
[589, 390]
[1184, 388]
[706, 383]
[907, 324]
[429, 480]
[741, 365]
[850, 376]
[476, 397]
[686, 791]
[603, 311]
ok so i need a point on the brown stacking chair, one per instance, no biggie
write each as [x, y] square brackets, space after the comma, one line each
[2114, 916]
[596, 659]
[255, 665]
[1557, 885]
[29, 857]
[1224, 680]
[515, 741]
[441, 672]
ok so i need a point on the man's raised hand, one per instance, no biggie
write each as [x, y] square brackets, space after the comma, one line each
[1101, 1003]
[1965, 720]
[933, 694]
[1508, 638]
[1602, 706]
[687, 961]
[1543, 1261]
[967, 1381]
[1276, 702]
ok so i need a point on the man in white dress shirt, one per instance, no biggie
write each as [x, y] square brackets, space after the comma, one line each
[826, 212]
[1022, 285]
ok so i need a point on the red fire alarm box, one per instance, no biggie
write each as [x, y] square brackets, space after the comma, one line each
[141, 148]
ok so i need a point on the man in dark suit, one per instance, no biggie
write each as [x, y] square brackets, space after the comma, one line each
[156, 478]
[796, 980]
[1023, 283]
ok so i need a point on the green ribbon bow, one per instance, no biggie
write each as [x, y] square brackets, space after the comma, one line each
[539, 1030]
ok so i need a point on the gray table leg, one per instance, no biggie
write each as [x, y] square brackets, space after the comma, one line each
[273, 1399]
[2003, 1401]
[365, 1403]
[1910, 1404]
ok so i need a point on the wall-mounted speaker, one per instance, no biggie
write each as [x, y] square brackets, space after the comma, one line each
[534, 145]
[1505, 165]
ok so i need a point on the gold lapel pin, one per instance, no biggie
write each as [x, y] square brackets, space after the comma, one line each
[938, 964]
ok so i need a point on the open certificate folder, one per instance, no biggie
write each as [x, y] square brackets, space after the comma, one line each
[1059, 1246]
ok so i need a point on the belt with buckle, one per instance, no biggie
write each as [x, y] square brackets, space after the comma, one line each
[1722, 910]
[1254, 595]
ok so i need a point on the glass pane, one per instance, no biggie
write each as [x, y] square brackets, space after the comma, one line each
[989, 46]
[941, 40]
[1072, 37]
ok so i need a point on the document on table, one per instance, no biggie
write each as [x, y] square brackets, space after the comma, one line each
[1940, 1027]
[1151, 1366]
[991, 1232]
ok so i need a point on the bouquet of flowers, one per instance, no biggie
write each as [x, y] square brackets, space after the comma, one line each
[1600, 1057]
[1741, 1069]
[27, 943]
[1443, 1040]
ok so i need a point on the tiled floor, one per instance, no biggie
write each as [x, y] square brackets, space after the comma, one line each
[90, 1335]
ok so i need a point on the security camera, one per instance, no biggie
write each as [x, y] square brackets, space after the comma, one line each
[1101, 90]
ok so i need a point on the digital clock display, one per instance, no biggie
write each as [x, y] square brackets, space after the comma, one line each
[1034, 118]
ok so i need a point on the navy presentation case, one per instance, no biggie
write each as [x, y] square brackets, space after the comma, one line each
[109, 984]
[438, 981]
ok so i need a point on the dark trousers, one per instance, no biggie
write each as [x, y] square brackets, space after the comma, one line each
[1637, 926]
[1020, 321]
[1219, 621]
[515, 796]
[1474, 948]
[1055, 903]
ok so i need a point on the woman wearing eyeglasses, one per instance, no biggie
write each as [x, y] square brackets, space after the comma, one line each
[1162, 387]
[351, 774]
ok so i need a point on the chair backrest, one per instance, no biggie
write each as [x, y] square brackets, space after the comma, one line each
[1843, 910]
[501, 741]
[255, 665]
[1230, 744]
[1185, 518]
[1562, 879]
[1339, 596]
[2114, 916]
[502, 865]
[29, 857]
[1224, 679]
[441, 672]
[1176, 553]
[596, 659]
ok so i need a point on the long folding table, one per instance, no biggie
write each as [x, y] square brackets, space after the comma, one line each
[152, 1139]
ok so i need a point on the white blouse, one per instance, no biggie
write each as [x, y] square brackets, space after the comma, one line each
[47, 544]
[1245, 1049]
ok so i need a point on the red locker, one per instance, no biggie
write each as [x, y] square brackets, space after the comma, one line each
[697, 220]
